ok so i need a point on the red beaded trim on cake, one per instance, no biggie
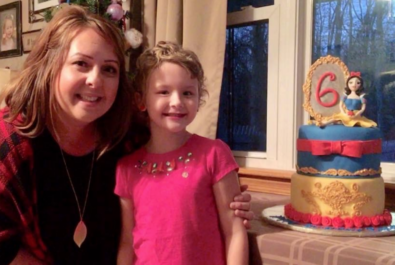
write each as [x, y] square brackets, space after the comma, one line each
[337, 222]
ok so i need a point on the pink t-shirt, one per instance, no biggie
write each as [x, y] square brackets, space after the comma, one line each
[176, 219]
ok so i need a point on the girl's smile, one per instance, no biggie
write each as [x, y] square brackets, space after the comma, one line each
[174, 115]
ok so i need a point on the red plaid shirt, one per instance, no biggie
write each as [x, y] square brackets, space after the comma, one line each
[18, 211]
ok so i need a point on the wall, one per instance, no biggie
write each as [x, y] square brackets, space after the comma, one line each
[15, 63]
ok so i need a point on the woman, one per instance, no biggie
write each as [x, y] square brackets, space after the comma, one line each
[61, 135]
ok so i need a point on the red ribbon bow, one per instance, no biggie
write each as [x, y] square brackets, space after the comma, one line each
[355, 74]
[344, 148]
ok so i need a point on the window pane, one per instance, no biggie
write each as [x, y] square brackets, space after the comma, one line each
[362, 34]
[236, 5]
[243, 105]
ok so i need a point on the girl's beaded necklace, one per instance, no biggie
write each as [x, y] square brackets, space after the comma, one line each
[166, 166]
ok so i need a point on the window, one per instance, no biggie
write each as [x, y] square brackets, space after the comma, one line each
[391, 8]
[242, 116]
[238, 5]
[362, 34]
[291, 35]
[243, 107]
[250, 118]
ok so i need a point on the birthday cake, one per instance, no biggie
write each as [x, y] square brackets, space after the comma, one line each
[338, 179]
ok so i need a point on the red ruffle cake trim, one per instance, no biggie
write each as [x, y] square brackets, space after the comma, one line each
[337, 222]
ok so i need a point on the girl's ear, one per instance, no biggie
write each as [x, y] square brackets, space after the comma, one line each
[138, 98]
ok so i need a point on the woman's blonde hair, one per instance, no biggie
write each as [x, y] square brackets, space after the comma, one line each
[166, 51]
[32, 94]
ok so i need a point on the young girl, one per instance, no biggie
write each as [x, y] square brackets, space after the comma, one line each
[7, 40]
[67, 119]
[195, 175]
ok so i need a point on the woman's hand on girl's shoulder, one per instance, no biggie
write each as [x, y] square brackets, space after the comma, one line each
[242, 206]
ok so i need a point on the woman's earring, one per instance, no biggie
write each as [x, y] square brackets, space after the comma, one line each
[142, 108]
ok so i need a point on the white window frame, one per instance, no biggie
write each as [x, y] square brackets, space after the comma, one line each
[289, 59]
[280, 147]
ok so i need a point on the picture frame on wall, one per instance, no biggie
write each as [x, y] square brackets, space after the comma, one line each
[29, 40]
[35, 16]
[10, 30]
[44, 4]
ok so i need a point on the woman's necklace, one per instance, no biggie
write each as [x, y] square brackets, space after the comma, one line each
[81, 230]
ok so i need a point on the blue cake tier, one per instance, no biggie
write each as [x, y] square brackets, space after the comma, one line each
[335, 164]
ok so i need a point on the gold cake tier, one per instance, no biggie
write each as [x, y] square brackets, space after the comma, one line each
[337, 197]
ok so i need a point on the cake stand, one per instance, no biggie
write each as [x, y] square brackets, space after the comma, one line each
[275, 216]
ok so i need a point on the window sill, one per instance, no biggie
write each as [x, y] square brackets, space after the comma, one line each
[266, 180]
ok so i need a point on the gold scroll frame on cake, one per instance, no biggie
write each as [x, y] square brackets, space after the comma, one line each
[324, 87]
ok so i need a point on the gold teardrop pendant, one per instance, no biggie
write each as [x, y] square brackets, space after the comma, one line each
[80, 233]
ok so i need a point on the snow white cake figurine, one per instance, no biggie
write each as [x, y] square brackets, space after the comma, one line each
[353, 104]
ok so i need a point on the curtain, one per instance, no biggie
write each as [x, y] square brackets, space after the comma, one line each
[198, 25]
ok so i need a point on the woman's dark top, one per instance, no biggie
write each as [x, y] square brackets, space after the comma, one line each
[57, 207]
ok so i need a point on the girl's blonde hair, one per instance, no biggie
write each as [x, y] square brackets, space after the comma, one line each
[10, 18]
[32, 94]
[166, 51]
